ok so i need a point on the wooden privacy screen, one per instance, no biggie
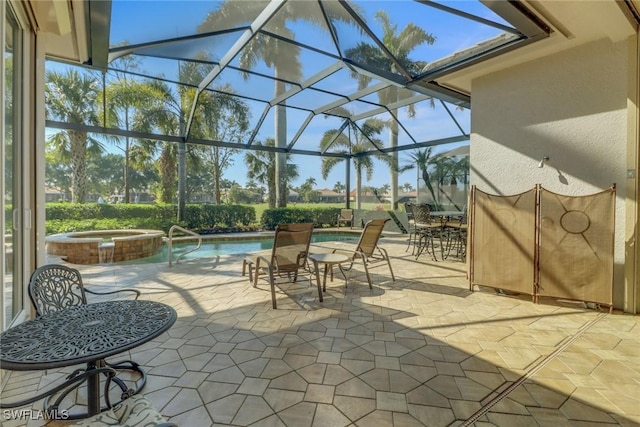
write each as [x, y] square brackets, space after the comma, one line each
[543, 244]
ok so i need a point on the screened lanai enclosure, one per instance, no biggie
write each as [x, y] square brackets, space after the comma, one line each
[330, 86]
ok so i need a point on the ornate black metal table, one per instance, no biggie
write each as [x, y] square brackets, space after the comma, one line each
[85, 334]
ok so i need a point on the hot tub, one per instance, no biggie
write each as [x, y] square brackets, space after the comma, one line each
[93, 247]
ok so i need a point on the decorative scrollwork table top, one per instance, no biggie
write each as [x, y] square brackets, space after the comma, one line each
[83, 334]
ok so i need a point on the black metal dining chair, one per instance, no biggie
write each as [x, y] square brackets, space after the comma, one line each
[56, 287]
[427, 230]
[408, 207]
[455, 236]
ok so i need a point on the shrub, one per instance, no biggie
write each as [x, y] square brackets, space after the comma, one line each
[67, 217]
[205, 217]
[321, 217]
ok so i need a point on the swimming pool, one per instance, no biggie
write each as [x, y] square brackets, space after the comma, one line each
[213, 248]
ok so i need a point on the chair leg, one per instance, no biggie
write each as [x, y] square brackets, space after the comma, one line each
[247, 266]
[385, 255]
[59, 394]
[420, 245]
[131, 366]
[256, 272]
[409, 241]
[272, 284]
[366, 271]
[428, 238]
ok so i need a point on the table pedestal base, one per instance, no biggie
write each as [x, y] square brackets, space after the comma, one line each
[92, 376]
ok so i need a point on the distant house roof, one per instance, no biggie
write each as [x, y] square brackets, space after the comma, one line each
[409, 194]
[53, 190]
[364, 193]
[325, 192]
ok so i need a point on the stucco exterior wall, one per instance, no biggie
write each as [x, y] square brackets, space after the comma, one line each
[571, 107]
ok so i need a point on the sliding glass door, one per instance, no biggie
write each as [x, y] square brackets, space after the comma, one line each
[12, 298]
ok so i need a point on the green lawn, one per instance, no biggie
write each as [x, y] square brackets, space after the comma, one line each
[261, 207]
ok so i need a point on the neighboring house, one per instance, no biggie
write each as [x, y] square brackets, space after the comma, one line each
[410, 197]
[54, 194]
[293, 197]
[367, 196]
[330, 196]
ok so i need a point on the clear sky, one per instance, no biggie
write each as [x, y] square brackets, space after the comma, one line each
[141, 21]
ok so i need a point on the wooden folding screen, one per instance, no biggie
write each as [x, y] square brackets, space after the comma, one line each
[543, 244]
[502, 240]
[576, 246]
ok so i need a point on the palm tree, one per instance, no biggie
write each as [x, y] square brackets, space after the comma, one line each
[362, 140]
[261, 168]
[222, 117]
[400, 46]
[283, 57]
[423, 161]
[72, 98]
[164, 112]
[305, 190]
[459, 170]
[126, 99]
[168, 111]
[440, 174]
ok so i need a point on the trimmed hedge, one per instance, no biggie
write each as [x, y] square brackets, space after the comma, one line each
[321, 217]
[82, 211]
[201, 218]
[69, 217]
[207, 217]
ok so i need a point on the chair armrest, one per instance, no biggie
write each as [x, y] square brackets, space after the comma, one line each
[135, 291]
[350, 252]
[260, 258]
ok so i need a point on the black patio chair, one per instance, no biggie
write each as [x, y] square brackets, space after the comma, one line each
[427, 230]
[55, 287]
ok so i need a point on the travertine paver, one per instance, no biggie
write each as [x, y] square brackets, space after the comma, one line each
[422, 350]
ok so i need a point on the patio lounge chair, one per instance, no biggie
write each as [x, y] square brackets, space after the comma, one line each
[367, 249]
[56, 287]
[345, 216]
[287, 257]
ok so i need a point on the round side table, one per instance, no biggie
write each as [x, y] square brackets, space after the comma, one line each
[329, 260]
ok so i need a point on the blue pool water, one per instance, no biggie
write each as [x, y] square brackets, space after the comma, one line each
[211, 248]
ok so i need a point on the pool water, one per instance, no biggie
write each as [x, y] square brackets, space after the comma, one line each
[211, 249]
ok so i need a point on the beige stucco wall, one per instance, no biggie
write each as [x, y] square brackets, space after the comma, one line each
[570, 106]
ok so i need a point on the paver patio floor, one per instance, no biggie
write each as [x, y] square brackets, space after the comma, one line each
[422, 350]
